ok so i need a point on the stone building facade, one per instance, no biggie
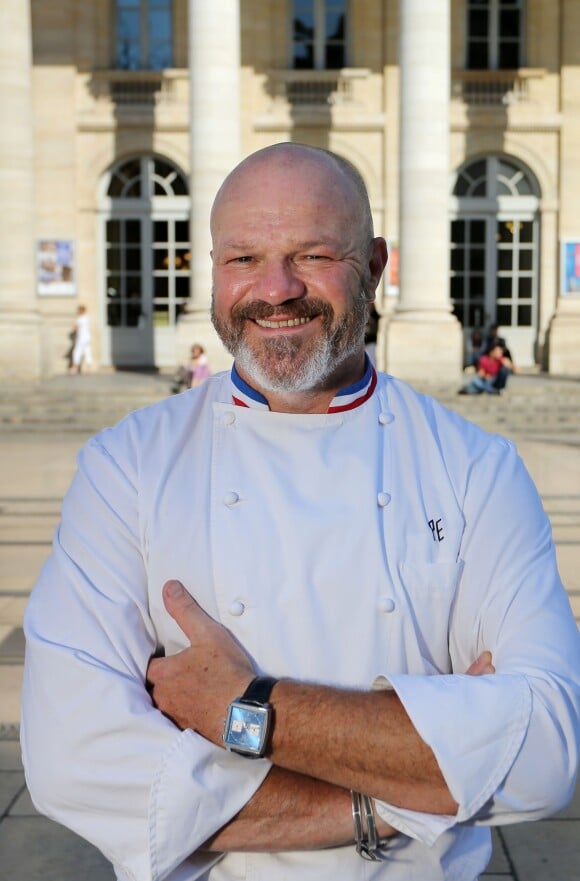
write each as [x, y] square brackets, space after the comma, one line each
[122, 117]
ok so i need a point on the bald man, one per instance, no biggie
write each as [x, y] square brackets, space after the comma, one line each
[283, 633]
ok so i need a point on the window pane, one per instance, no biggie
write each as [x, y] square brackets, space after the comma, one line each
[182, 287]
[303, 56]
[160, 258]
[457, 287]
[504, 315]
[525, 288]
[509, 56]
[524, 316]
[461, 187]
[160, 231]
[477, 287]
[509, 23]
[179, 185]
[458, 231]
[128, 25]
[526, 259]
[113, 259]
[477, 56]
[480, 189]
[132, 231]
[335, 25]
[527, 231]
[457, 259]
[133, 191]
[505, 259]
[113, 231]
[477, 260]
[159, 26]
[334, 57]
[476, 313]
[505, 231]
[182, 231]
[477, 230]
[478, 23]
[504, 292]
[160, 56]
[133, 259]
[182, 257]
[160, 286]
[303, 21]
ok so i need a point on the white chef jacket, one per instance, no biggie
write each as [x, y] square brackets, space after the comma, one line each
[389, 543]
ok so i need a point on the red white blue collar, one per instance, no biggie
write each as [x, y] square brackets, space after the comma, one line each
[347, 399]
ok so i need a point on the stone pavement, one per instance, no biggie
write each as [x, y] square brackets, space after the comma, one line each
[42, 427]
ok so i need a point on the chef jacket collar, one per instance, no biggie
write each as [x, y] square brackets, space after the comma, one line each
[346, 399]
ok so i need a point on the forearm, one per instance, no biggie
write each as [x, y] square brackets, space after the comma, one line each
[291, 812]
[325, 733]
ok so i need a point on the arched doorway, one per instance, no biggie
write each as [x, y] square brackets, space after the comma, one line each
[144, 233]
[495, 240]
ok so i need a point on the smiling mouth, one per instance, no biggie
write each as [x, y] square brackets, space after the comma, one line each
[289, 322]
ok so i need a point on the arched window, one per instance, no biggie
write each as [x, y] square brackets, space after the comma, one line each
[502, 178]
[495, 247]
[145, 177]
[145, 209]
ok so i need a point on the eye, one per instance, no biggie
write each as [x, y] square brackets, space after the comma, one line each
[243, 259]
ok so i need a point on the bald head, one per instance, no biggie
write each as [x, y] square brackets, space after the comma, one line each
[330, 170]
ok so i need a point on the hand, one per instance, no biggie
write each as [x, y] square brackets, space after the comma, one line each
[481, 666]
[194, 687]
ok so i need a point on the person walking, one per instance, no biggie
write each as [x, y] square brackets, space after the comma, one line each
[82, 351]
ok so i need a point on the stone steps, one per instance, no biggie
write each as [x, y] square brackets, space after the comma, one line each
[532, 404]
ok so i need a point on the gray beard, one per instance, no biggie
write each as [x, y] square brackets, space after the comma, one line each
[280, 365]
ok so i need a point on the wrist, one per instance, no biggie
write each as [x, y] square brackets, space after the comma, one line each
[250, 720]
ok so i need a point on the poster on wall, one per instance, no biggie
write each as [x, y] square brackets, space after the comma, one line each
[570, 268]
[393, 269]
[55, 268]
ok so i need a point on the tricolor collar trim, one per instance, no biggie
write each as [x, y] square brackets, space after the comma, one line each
[347, 399]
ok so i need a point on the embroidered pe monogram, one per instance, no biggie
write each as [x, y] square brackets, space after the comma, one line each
[436, 527]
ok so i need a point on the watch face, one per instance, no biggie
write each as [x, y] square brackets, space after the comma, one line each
[246, 729]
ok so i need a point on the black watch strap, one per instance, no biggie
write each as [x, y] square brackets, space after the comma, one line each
[259, 690]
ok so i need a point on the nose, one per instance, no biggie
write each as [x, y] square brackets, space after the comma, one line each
[279, 282]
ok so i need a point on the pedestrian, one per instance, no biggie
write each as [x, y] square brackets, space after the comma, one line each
[283, 632]
[82, 353]
[493, 370]
[199, 369]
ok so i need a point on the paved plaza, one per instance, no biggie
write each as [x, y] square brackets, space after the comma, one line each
[41, 429]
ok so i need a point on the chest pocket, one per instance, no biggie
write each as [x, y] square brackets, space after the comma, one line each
[428, 591]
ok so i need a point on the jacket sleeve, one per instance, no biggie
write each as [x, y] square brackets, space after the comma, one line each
[508, 743]
[98, 757]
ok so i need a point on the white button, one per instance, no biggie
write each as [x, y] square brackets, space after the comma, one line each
[383, 499]
[237, 608]
[385, 418]
[386, 604]
[229, 418]
[231, 498]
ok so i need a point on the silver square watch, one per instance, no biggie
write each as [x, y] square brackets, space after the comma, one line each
[249, 720]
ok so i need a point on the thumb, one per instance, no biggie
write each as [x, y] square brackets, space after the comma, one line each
[181, 605]
[482, 665]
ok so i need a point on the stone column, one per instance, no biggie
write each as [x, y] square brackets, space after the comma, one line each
[214, 62]
[564, 332]
[20, 324]
[423, 339]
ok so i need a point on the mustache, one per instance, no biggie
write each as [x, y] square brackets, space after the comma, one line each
[291, 309]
